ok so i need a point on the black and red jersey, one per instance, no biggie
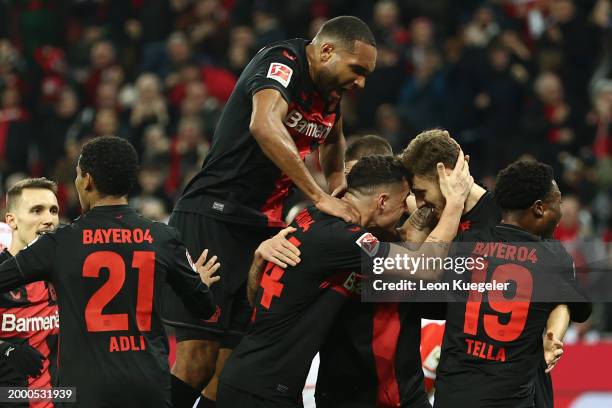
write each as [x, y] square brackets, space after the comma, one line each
[484, 214]
[30, 315]
[493, 338]
[108, 268]
[238, 183]
[372, 357]
[296, 307]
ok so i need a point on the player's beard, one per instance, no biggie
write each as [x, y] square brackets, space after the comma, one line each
[327, 82]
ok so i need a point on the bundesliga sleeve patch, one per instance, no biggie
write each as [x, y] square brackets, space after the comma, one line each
[368, 243]
[280, 72]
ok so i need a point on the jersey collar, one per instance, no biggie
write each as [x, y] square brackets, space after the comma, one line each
[520, 232]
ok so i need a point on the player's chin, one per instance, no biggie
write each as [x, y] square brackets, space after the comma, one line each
[436, 212]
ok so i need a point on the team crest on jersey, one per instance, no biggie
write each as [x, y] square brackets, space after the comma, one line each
[465, 226]
[368, 243]
[280, 72]
[15, 294]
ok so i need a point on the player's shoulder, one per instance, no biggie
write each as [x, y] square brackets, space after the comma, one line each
[557, 251]
[336, 233]
[283, 60]
[329, 224]
[158, 229]
[484, 212]
[4, 255]
[62, 231]
[289, 49]
[477, 233]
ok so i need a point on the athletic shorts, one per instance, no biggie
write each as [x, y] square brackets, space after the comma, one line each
[231, 397]
[543, 388]
[234, 245]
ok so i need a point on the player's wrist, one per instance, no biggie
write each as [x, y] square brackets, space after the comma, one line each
[319, 197]
[454, 204]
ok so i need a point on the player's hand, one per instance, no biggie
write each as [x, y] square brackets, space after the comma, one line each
[340, 190]
[207, 269]
[279, 250]
[553, 350]
[23, 358]
[338, 208]
[456, 185]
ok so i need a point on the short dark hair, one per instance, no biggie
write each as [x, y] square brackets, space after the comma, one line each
[15, 191]
[522, 183]
[428, 149]
[373, 171]
[367, 146]
[347, 30]
[113, 164]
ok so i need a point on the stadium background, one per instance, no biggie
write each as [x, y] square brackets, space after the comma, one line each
[508, 78]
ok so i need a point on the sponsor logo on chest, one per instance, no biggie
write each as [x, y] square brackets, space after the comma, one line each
[300, 123]
[12, 323]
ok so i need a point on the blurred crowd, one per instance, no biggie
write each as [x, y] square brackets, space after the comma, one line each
[508, 78]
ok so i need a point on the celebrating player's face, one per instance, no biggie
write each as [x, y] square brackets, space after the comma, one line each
[36, 212]
[391, 207]
[427, 193]
[347, 70]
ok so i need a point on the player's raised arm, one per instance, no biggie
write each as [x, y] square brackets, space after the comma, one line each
[10, 275]
[418, 226]
[31, 264]
[331, 156]
[266, 126]
[455, 186]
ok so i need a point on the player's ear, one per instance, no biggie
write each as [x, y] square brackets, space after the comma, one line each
[382, 201]
[11, 220]
[88, 182]
[327, 49]
[538, 208]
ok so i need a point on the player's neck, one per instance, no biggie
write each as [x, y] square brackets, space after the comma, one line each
[310, 57]
[16, 245]
[108, 200]
[518, 220]
[312, 62]
[472, 199]
[364, 218]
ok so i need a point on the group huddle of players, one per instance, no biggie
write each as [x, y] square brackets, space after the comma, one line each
[249, 325]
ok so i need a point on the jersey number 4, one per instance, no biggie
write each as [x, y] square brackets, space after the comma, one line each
[270, 279]
[95, 320]
[517, 307]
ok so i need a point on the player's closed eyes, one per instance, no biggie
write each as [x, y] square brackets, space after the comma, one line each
[359, 70]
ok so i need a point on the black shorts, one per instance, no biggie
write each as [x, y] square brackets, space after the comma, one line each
[232, 397]
[363, 399]
[543, 388]
[234, 245]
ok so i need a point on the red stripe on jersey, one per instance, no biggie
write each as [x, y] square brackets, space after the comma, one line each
[385, 334]
[34, 317]
[308, 130]
[273, 207]
[337, 282]
[42, 381]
